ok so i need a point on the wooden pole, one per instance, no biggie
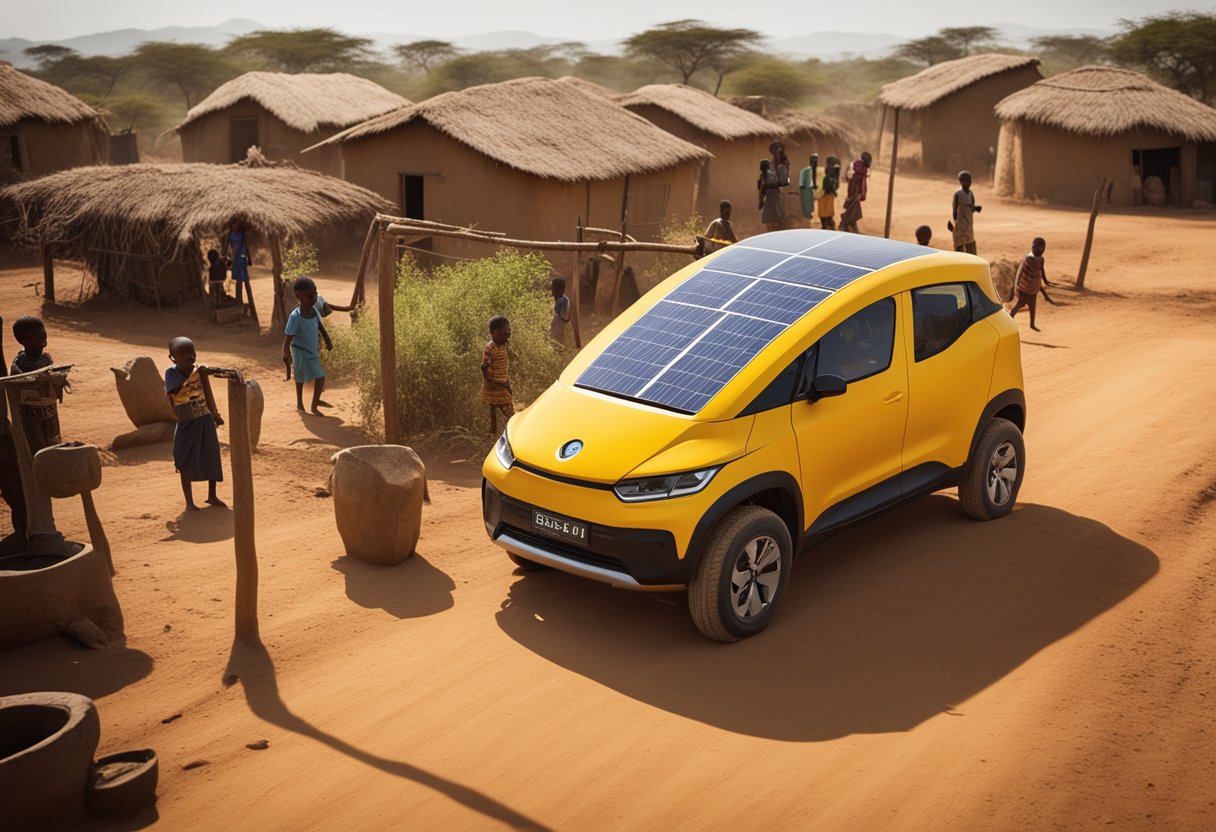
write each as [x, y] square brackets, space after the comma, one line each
[405, 229]
[243, 539]
[40, 519]
[387, 280]
[891, 180]
[575, 297]
[882, 125]
[620, 260]
[48, 275]
[1089, 234]
[365, 256]
[278, 312]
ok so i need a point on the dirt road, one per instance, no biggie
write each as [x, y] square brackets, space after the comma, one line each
[1052, 670]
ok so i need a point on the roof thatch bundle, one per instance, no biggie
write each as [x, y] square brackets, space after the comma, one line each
[796, 124]
[927, 87]
[304, 102]
[1104, 101]
[702, 110]
[588, 86]
[543, 127]
[23, 96]
[158, 209]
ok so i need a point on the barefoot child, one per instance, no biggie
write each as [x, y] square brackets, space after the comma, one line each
[302, 343]
[1030, 280]
[495, 366]
[961, 212]
[196, 448]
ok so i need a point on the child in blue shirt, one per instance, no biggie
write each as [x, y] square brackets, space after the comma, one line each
[302, 343]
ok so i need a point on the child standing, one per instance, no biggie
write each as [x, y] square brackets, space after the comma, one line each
[964, 206]
[720, 233]
[827, 196]
[561, 310]
[495, 367]
[1030, 280]
[302, 343]
[217, 273]
[30, 332]
[196, 447]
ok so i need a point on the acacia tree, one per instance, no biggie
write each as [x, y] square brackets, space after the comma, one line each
[1074, 50]
[965, 37]
[47, 55]
[193, 68]
[1179, 48]
[425, 54]
[689, 46]
[301, 50]
[930, 50]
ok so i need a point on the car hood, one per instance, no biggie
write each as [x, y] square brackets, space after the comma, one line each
[620, 438]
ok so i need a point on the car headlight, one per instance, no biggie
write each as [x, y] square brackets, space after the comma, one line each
[502, 450]
[660, 488]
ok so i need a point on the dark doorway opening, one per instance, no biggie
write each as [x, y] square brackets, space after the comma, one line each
[413, 206]
[14, 153]
[242, 135]
[1166, 164]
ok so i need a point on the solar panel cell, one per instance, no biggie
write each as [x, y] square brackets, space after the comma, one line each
[777, 302]
[746, 261]
[867, 252]
[710, 289]
[811, 272]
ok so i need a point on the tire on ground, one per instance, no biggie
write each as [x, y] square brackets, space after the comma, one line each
[973, 490]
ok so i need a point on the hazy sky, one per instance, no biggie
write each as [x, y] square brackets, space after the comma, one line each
[54, 19]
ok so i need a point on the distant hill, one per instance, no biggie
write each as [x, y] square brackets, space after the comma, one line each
[121, 41]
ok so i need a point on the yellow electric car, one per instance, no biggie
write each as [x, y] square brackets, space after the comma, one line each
[754, 401]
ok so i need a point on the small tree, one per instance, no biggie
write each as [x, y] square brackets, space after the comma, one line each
[47, 55]
[772, 77]
[1073, 50]
[1179, 48]
[193, 68]
[689, 46]
[301, 50]
[425, 55]
[966, 37]
[930, 50]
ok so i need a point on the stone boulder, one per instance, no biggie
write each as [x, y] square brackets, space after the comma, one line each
[141, 389]
[378, 492]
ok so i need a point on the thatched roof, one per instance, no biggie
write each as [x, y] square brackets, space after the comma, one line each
[587, 86]
[703, 111]
[23, 96]
[158, 208]
[303, 102]
[543, 127]
[795, 124]
[931, 85]
[1103, 101]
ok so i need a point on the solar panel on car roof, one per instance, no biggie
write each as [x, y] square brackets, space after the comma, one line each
[689, 345]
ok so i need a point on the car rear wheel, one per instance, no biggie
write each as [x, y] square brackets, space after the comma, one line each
[525, 564]
[994, 473]
[742, 574]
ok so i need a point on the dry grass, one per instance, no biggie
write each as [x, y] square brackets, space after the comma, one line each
[22, 97]
[304, 102]
[931, 85]
[552, 129]
[1104, 101]
[703, 111]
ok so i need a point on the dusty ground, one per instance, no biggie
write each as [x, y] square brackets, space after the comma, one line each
[1052, 670]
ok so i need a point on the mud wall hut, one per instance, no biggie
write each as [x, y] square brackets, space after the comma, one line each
[953, 105]
[44, 128]
[527, 158]
[803, 133]
[281, 114]
[737, 139]
[1061, 136]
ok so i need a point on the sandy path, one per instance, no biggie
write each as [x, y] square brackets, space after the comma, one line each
[1052, 670]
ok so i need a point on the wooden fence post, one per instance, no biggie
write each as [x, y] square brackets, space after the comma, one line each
[894, 164]
[241, 457]
[1089, 234]
[387, 280]
[578, 278]
[48, 274]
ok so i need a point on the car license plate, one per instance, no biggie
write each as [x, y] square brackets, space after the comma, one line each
[562, 528]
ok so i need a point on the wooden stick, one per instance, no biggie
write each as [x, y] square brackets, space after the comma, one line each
[278, 312]
[1089, 234]
[48, 275]
[403, 229]
[891, 180]
[243, 538]
[578, 278]
[620, 261]
[882, 125]
[387, 280]
[438, 226]
[369, 244]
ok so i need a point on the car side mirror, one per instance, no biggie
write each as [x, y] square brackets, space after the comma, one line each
[825, 386]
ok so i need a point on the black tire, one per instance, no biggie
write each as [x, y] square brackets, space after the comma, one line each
[525, 564]
[991, 481]
[713, 596]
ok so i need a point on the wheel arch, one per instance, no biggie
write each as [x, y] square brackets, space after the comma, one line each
[1011, 405]
[776, 491]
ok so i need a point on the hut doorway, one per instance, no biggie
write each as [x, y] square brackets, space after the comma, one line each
[242, 135]
[413, 205]
[1166, 164]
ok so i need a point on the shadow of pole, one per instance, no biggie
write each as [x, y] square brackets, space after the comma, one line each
[251, 666]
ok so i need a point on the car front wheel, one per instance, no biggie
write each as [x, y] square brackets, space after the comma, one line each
[742, 574]
[994, 472]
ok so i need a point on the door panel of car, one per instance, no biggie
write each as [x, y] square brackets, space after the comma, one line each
[850, 442]
[949, 371]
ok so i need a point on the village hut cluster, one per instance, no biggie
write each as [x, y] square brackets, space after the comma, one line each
[44, 128]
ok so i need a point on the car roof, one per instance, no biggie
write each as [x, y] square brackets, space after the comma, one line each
[699, 334]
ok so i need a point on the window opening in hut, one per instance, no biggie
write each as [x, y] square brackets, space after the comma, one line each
[1166, 164]
[243, 134]
[413, 205]
[1205, 173]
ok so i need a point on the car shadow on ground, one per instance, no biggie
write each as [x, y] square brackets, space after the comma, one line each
[884, 626]
[411, 589]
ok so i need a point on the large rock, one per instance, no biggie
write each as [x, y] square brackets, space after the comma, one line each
[256, 403]
[378, 491]
[141, 388]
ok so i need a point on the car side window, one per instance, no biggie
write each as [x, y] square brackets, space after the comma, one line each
[939, 316]
[860, 345]
[779, 392]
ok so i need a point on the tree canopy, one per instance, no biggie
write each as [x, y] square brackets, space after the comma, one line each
[930, 50]
[425, 54]
[1179, 48]
[967, 37]
[689, 46]
[301, 50]
[194, 69]
[1073, 50]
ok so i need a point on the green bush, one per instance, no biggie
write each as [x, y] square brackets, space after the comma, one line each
[441, 329]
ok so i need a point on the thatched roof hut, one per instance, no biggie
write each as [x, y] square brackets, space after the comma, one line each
[953, 102]
[587, 86]
[44, 128]
[138, 227]
[1060, 136]
[528, 157]
[737, 138]
[281, 114]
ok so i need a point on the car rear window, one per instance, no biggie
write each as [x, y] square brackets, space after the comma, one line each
[939, 316]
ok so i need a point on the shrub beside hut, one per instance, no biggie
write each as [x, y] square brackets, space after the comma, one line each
[1063, 136]
[281, 114]
[44, 128]
[953, 104]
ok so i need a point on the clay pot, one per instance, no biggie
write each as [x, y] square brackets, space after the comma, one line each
[378, 491]
[42, 597]
[123, 784]
[67, 469]
[47, 742]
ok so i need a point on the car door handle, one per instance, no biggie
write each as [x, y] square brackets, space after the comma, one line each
[892, 398]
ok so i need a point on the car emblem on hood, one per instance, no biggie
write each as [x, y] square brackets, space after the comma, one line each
[570, 449]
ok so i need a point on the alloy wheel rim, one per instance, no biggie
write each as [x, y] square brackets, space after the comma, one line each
[755, 578]
[1002, 473]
